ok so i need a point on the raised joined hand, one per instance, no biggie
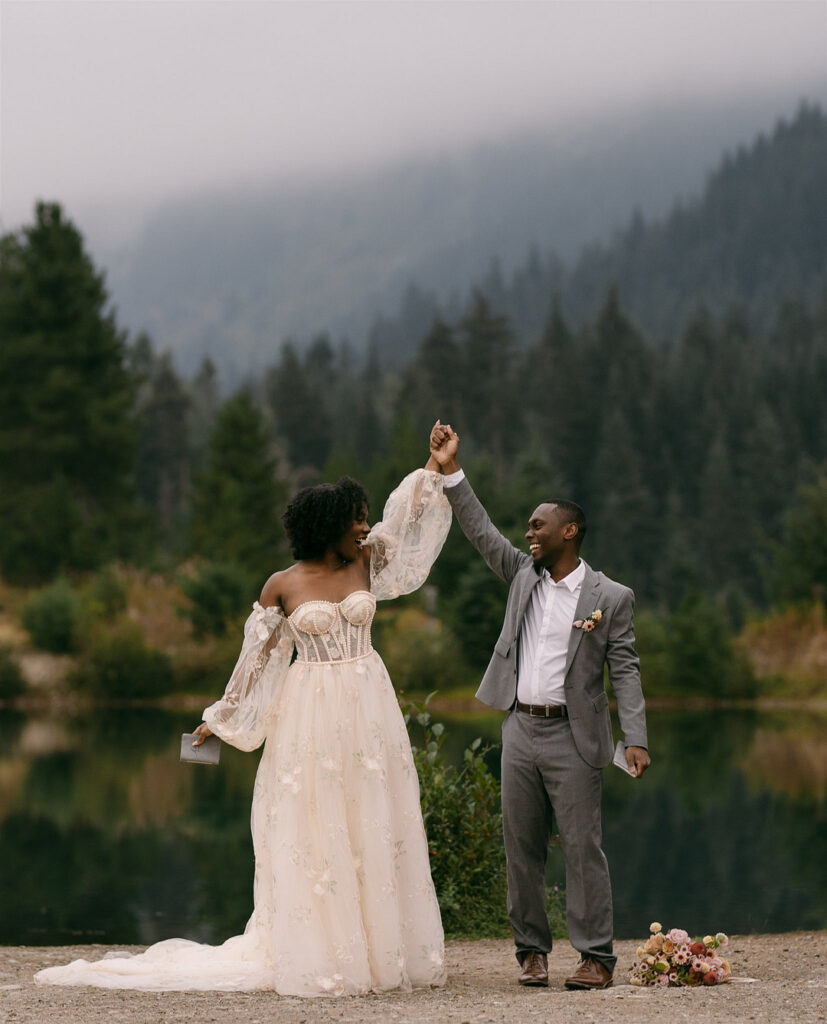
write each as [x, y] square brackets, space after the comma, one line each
[444, 443]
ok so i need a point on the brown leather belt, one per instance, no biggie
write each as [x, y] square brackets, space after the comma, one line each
[543, 710]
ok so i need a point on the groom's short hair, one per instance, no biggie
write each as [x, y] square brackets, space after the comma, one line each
[574, 514]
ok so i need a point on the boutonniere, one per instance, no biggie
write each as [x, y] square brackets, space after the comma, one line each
[590, 623]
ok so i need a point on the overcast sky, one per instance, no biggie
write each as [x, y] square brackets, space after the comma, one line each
[122, 102]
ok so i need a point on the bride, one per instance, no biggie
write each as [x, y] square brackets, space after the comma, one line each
[344, 902]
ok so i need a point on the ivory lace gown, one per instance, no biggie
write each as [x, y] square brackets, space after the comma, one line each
[344, 901]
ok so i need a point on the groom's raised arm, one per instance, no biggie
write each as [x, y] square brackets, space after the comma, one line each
[500, 554]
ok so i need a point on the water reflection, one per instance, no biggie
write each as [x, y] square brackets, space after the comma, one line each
[105, 837]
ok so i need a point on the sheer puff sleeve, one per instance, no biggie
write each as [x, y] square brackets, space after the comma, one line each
[240, 718]
[406, 543]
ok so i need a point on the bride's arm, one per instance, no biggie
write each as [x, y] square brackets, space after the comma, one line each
[264, 610]
[242, 714]
[405, 543]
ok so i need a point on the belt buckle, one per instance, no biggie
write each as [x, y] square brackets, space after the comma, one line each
[547, 710]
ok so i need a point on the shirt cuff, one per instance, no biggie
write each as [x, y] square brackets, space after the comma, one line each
[452, 479]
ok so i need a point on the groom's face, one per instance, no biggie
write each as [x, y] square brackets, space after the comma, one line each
[548, 534]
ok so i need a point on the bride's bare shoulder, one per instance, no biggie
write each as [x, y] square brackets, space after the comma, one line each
[272, 593]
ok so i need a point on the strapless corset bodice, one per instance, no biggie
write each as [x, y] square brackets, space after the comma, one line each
[327, 631]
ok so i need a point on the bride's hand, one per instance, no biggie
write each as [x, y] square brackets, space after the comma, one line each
[202, 732]
[443, 443]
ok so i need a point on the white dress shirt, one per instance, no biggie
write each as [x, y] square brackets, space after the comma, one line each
[544, 638]
[452, 479]
[547, 626]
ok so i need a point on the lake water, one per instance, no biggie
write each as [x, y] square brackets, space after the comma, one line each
[105, 837]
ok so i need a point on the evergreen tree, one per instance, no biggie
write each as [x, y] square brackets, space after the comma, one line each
[677, 568]
[558, 389]
[202, 392]
[799, 568]
[620, 513]
[726, 539]
[488, 399]
[164, 458]
[67, 438]
[237, 499]
[432, 380]
[298, 404]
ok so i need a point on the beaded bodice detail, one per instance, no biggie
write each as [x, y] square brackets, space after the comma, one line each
[325, 631]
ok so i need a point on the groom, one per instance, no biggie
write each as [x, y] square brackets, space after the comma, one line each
[563, 622]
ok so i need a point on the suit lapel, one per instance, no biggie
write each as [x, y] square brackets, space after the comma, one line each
[532, 579]
[586, 604]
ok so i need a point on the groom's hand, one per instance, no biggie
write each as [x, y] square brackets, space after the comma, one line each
[638, 760]
[444, 444]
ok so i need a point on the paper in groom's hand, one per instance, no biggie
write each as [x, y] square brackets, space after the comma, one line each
[620, 759]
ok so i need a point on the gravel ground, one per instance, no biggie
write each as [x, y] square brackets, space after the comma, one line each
[791, 985]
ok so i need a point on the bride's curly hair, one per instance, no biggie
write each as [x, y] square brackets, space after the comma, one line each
[317, 517]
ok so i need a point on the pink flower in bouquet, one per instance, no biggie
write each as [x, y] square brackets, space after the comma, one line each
[681, 956]
[678, 936]
[722, 938]
[698, 966]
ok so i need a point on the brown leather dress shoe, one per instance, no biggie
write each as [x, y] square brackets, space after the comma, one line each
[535, 969]
[590, 973]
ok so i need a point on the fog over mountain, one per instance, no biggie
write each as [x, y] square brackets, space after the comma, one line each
[234, 273]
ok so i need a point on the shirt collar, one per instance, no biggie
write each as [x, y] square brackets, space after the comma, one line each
[574, 579]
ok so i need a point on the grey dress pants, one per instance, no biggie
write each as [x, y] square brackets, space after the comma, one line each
[542, 773]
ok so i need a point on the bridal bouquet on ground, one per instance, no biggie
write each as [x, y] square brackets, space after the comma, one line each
[673, 958]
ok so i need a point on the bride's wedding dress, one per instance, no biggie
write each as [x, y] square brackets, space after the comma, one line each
[344, 901]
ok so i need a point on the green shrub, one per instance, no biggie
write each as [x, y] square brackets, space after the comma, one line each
[205, 668]
[463, 821]
[118, 664]
[700, 657]
[556, 911]
[53, 618]
[107, 594]
[219, 594]
[12, 683]
[419, 652]
[475, 612]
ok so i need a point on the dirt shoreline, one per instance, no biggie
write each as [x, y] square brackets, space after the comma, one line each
[790, 972]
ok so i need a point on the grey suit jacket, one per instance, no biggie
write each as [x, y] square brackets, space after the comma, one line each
[612, 642]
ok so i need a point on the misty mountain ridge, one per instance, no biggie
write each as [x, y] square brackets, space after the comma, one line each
[232, 275]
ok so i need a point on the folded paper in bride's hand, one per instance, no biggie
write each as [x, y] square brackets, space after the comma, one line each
[207, 752]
